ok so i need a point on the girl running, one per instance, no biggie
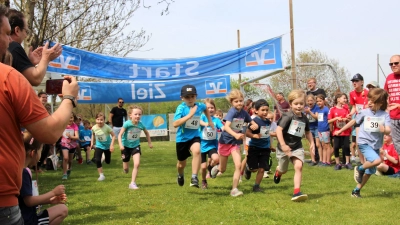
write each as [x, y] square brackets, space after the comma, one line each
[68, 145]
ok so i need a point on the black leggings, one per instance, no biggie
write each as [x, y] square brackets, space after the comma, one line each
[342, 142]
[44, 155]
[99, 153]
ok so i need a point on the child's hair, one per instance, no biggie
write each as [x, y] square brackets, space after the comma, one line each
[219, 112]
[86, 122]
[234, 94]
[209, 101]
[270, 113]
[30, 143]
[100, 114]
[320, 96]
[338, 95]
[295, 94]
[260, 103]
[378, 95]
[311, 96]
[131, 108]
[74, 115]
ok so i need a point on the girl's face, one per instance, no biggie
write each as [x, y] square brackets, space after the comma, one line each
[136, 114]
[100, 121]
[211, 109]
[342, 100]
[387, 138]
[320, 103]
[219, 116]
[374, 106]
[34, 157]
[310, 102]
[71, 120]
[297, 105]
[237, 103]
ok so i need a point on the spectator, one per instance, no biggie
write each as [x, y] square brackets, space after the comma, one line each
[283, 106]
[312, 88]
[372, 84]
[117, 117]
[390, 159]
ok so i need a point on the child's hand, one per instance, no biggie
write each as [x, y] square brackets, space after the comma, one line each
[307, 110]
[211, 124]
[61, 199]
[337, 133]
[150, 145]
[239, 136]
[257, 136]
[121, 148]
[254, 126]
[59, 190]
[111, 148]
[193, 110]
[287, 150]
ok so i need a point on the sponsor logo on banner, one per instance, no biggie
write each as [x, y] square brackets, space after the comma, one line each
[67, 60]
[264, 56]
[85, 93]
[216, 86]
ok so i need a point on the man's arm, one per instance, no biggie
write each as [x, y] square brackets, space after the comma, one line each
[110, 118]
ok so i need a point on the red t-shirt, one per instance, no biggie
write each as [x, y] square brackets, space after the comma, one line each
[337, 125]
[359, 99]
[392, 86]
[390, 150]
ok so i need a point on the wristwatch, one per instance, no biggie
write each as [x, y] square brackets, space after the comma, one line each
[72, 98]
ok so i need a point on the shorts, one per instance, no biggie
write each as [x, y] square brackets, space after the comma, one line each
[183, 148]
[370, 155]
[314, 132]
[43, 217]
[85, 146]
[283, 159]
[70, 151]
[227, 149]
[128, 152]
[390, 171]
[353, 139]
[209, 153]
[258, 158]
[116, 130]
[324, 137]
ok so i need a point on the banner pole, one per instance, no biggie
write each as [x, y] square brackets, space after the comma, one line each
[377, 68]
[238, 39]
[294, 79]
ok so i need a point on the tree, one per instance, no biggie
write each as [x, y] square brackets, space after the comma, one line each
[325, 77]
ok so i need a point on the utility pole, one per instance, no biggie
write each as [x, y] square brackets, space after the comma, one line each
[238, 39]
[294, 79]
[377, 68]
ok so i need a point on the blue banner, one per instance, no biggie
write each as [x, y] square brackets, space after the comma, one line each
[156, 125]
[163, 91]
[265, 55]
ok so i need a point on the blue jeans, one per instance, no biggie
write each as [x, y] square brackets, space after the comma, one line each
[370, 155]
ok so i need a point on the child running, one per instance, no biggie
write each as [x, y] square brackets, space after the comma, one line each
[390, 159]
[323, 131]
[85, 136]
[259, 145]
[187, 120]
[103, 142]
[68, 146]
[291, 128]
[129, 142]
[209, 141]
[371, 123]
[29, 197]
[338, 117]
[232, 137]
[310, 111]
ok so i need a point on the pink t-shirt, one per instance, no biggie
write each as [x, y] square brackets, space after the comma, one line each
[392, 86]
[67, 142]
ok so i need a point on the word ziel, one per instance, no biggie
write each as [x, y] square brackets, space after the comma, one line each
[153, 91]
[164, 72]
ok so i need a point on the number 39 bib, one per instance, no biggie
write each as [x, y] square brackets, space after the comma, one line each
[297, 128]
[209, 133]
[371, 124]
[193, 123]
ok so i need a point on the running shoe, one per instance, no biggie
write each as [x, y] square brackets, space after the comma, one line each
[65, 177]
[358, 175]
[338, 167]
[133, 186]
[80, 161]
[204, 184]
[277, 178]
[101, 178]
[257, 188]
[299, 197]
[194, 182]
[247, 173]
[180, 180]
[356, 194]
[266, 175]
[312, 163]
[235, 192]
[68, 173]
[348, 166]
[214, 171]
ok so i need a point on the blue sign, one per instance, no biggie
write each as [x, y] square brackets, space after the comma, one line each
[163, 91]
[155, 124]
[265, 55]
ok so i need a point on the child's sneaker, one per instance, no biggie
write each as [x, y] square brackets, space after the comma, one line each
[133, 186]
[356, 194]
[265, 174]
[219, 174]
[378, 173]
[204, 184]
[353, 159]
[89, 162]
[299, 197]
[277, 178]
[338, 167]
[247, 173]
[80, 161]
[348, 166]
[257, 188]
[65, 177]
[214, 171]
[101, 178]
[235, 192]
[68, 173]
[358, 175]
[194, 182]
[180, 180]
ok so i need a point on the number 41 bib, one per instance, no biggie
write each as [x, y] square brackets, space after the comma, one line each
[297, 128]
[371, 124]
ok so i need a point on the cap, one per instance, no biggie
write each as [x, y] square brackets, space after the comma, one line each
[373, 84]
[188, 90]
[357, 77]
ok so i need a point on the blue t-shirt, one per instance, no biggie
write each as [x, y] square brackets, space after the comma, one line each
[237, 118]
[264, 127]
[103, 137]
[313, 122]
[369, 127]
[323, 124]
[131, 136]
[190, 129]
[85, 135]
[28, 213]
[206, 144]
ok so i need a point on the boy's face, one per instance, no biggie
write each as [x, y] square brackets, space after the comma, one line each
[262, 112]
[297, 105]
[387, 138]
[189, 99]
[87, 126]
[237, 103]
[218, 116]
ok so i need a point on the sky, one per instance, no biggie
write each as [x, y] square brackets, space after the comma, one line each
[350, 31]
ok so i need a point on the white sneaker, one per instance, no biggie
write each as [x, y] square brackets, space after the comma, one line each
[101, 178]
[352, 159]
[266, 174]
[133, 186]
[235, 192]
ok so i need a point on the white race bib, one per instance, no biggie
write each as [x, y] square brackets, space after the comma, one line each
[340, 124]
[101, 137]
[209, 133]
[35, 188]
[66, 131]
[371, 124]
[237, 124]
[133, 134]
[87, 138]
[297, 128]
[320, 117]
[193, 123]
[264, 131]
[310, 118]
[359, 107]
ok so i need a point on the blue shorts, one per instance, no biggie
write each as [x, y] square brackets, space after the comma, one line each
[370, 155]
[314, 132]
[324, 137]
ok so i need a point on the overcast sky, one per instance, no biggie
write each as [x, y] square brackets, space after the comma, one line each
[350, 31]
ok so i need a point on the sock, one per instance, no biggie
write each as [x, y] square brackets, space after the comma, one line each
[256, 185]
[296, 190]
[181, 175]
[194, 175]
[361, 167]
[356, 189]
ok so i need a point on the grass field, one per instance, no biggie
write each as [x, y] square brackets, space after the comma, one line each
[161, 201]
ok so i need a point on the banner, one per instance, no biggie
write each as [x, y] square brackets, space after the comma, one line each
[155, 124]
[265, 55]
[163, 91]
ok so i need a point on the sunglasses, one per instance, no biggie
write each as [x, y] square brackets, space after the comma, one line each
[121, 102]
[394, 63]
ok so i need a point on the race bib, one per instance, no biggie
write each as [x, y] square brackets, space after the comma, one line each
[101, 137]
[87, 138]
[35, 188]
[193, 123]
[371, 124]
[264, 131]
[340, 124]
[320, 117]
[359, 107]
[311, 119]
[297, 128]
[209, 133]
[134, 134]
[68, 131]
[237, 124]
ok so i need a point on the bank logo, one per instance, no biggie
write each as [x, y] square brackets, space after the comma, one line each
[263, 56]
[216, 86]
[85, 93]
[67, 60]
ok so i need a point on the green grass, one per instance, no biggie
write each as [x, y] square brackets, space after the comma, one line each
[161, 201]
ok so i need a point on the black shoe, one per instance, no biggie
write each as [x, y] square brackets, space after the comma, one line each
[247, 173]
[356, 194]
[181, 180]
[194, 182]
[358, 175]
[277, 179]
